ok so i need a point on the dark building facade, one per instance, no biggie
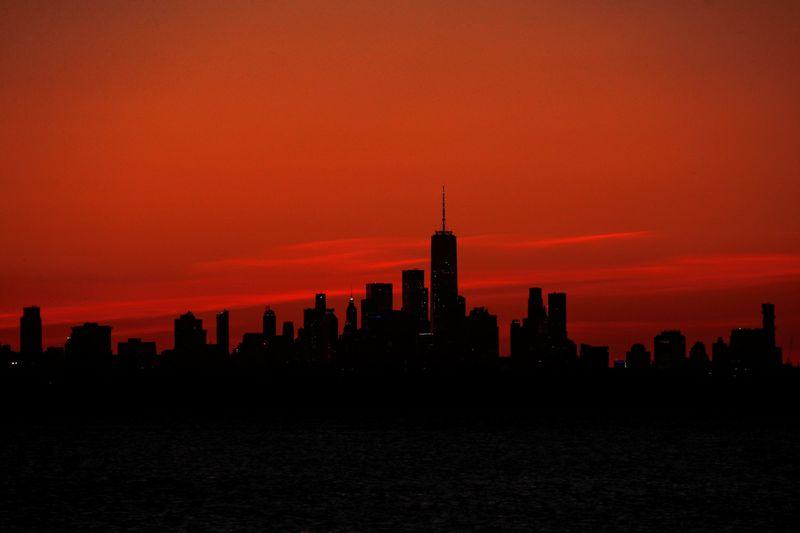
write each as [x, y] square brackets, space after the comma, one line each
[415, 297]
[637, 357]
[287, 331]
[30, 331]
[89, 342]
[594, 357]
[351, 317]
[223, 332]
[137, 354]
[669, 350]
[444, 280]
[189, 334]
[483, 337]
[557, 315]
[269, 325]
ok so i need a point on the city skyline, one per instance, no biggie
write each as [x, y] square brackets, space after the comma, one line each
[638, 157]
[429, 320]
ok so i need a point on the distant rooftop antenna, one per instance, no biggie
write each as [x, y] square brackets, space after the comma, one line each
[443, 217]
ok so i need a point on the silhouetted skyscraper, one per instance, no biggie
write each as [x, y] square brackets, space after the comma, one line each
[444, 279]
[415, 295]
[698, 357]
[189, 334]
[223, 332]
[536, 312]
[30, 331]
[320, 302]
[351, 317]
[482, 337]
[518, 347]
[768, 323]
[89, 341]
[594, 357]
[137, 354]
[720, 359]
[637, 357]
[380, 296]
[557, 315]
[287, 331]
[320, 329]
[269, 324]
[754, 349]
[669, 350]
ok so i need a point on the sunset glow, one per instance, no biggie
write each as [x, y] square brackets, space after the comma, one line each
[642, 157]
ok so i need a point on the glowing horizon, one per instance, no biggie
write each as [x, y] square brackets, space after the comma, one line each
[641, 158]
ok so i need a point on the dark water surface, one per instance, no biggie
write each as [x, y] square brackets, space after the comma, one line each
[454, 471]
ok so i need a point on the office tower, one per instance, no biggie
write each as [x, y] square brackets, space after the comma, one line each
[483, 336]
[89, 341]
[189, 333]
[768, 323]
[137, 354]
[669, 350]
[351, 317]
[754, 349]
[720, 357]
[637, 357]
[30, 331]
[536, 311]
[557, 315]
[320, 302]
[223, 332]
[288, 331]
[320, 329]
[698, 357]
[380, 297]
[594, 357]
[415, 295]
[269, 324]
[444, 279]
[517, 340]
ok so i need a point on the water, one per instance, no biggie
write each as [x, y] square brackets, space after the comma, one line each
[462, 472]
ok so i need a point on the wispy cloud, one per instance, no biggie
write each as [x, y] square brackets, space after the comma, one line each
[278, 261]
[582, 239]
[520, 242]
[675, 274]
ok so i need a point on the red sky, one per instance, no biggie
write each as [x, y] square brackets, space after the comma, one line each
[159, 156]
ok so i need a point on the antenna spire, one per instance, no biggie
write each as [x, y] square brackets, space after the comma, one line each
[443, 217]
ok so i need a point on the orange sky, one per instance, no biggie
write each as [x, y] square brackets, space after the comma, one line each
[161, 156]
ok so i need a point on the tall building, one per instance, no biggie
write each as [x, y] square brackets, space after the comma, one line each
[320, 302]
[637, 357]
[536, 311]
[754, 349]
[557, 315]
[320, 328]
[594, 357]
[287, 331]
[351, 317]
[269, 324]
[376, 308]
[136, 353]
[768, 323]
[483, 337]
[30, 331]
[89, 341]
[698, 357]
[415, 295]
[444, 279]
[223, 331]
[189, 334]
[380, 296]
[669, 350]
